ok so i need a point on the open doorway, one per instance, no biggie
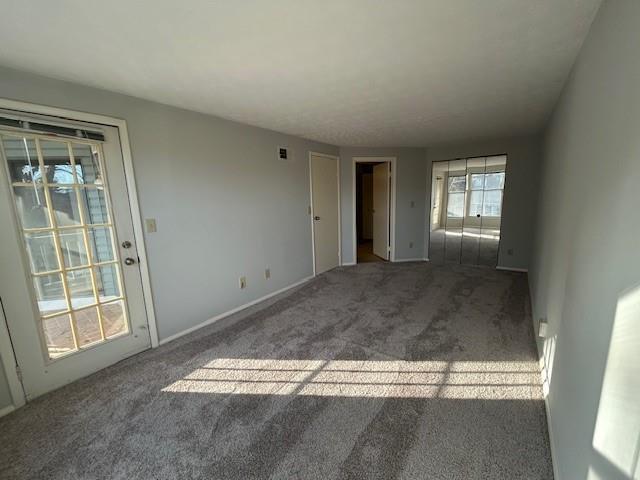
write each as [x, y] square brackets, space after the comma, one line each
[373, 205]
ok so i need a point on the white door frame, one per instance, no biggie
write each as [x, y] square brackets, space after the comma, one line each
[392, 206]
[311, 213]
[6, 350]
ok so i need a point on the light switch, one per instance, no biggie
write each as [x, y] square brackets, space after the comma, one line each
[150, 224]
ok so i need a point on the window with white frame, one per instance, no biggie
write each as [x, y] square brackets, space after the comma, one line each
[486, 194]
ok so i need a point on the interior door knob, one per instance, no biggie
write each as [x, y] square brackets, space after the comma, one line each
[129, 261]
[478, 215]
[126, 244]
[316, 218]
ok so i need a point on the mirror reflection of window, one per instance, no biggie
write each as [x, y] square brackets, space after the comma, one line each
[456, 188]
[486, 194]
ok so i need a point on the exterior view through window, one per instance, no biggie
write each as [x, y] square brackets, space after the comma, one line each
[63, 209]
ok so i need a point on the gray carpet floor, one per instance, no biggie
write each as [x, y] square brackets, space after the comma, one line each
[378, 371]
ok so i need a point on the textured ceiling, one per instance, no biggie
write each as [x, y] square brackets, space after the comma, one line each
[356, 72]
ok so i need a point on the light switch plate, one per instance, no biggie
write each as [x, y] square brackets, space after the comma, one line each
[150, 225]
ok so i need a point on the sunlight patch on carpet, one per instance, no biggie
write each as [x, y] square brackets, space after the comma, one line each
[347, 378]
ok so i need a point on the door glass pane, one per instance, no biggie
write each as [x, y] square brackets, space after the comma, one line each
[100, 242]
[57, 162]
[87, 164]
[492, 205]
[22, 159]
[50, 294]
[80, 288]
[73, 249]
[455, 207]
[58, 335]
[41, 251]
[107, 282]
[475, 202]
[457, 183]
[88, 326]
[95, 205]
[494, 181]
[113, 318]
[65, 206]
[31, 206]
[477, 180]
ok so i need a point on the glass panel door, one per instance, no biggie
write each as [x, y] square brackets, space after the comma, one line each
[73, 304]
[64, 215]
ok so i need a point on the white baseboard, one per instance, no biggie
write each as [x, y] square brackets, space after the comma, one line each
[513, 269]
[232, 311]
[348, 264]
[552, 443]
[401, 260]
[6, 410]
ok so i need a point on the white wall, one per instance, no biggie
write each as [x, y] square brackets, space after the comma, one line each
[585, 274]
[225, 205]
[520, 191]
[410, 187]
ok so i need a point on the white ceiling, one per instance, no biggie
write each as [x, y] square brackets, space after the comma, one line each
[346, 72]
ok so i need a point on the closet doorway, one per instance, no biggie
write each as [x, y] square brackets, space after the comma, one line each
[466, 210]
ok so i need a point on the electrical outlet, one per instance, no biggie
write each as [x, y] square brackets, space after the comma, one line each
[267, 273]
[410, 244]
[243, 282]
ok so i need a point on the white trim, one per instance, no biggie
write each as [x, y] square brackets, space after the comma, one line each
[552, 442]
[6, 410]
[401, 260]
[9, 362]
[513, 269]
[392, 207]
[348, 264]
[233, 310]
[311, 215]
[136, 216]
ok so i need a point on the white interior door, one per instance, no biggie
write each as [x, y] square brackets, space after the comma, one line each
[325, 210]
[69, 282]
[381, 210]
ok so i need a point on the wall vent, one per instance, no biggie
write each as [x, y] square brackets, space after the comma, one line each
[284, 153]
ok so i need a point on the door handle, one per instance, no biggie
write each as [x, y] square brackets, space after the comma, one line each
[126, 244]
[129, 261]
[316, 218]
[478, 215]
